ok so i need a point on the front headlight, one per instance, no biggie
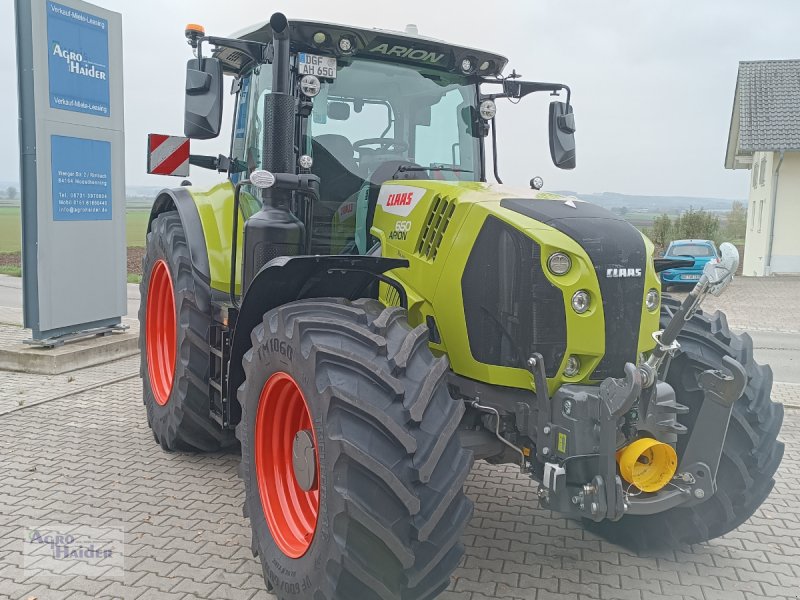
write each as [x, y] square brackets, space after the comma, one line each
[573, 366]
[651, 300]
[559, 263]
[581, 301]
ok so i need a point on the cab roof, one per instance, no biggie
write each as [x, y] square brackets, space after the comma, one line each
[394, 46]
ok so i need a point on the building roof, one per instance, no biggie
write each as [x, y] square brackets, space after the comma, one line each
[766, 110]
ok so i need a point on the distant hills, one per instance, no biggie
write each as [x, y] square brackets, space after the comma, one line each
[654, 204]
[138, 196]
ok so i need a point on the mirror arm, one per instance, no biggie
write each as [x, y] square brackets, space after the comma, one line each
[218, 163]
[513, 88]
[494, 151]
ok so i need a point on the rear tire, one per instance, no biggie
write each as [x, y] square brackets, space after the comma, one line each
[389, 509]
[751, 453]
[175, 369]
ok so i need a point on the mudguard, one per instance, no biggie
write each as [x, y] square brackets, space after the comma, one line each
[207, 218]
[181, 200]
[290, 278]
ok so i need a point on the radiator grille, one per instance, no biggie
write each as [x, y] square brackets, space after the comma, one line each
[436, 223]
[511, 308]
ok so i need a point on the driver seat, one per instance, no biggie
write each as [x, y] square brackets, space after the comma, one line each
[336, 166]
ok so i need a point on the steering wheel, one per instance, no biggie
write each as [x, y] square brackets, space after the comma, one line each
[384, 144]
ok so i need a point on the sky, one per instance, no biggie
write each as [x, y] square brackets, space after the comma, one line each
[652, 80]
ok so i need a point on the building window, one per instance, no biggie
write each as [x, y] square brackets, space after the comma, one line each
[753, 216]
[763, 171]
[755, 175]
[760, 214]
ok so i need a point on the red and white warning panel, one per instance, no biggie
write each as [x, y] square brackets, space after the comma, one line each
[167, 155]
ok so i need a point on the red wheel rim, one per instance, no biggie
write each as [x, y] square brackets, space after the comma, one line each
[290, 511]
[160, 332]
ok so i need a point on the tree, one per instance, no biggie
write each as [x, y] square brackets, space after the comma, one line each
[661, 233]
[11, 192]
[736, 223]
[697, 224]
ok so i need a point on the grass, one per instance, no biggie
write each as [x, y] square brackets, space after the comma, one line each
[134, 278]
[10, 229]
[10, 226]
[136, 226]
[11, 270]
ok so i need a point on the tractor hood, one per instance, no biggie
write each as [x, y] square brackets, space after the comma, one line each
[479, 257]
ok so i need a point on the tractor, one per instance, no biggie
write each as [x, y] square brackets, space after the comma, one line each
[365, 315]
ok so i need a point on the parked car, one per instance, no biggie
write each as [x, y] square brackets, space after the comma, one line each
[702, 251]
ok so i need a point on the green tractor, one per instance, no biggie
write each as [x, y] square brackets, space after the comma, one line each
[366, 316]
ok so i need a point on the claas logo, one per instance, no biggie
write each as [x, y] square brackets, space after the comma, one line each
[403, 199]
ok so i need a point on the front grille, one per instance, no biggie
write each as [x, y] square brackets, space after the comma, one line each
[511, 308]
[611, 244]
[436, 223]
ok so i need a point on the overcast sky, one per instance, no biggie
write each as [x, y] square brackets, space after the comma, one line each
[652, 80]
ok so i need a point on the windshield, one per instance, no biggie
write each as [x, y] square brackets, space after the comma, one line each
[693, 250]
[375, 112]
[380, 121]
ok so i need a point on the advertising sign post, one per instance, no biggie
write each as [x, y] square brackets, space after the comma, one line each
[69, 64]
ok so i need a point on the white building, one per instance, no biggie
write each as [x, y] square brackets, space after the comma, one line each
[765, 138]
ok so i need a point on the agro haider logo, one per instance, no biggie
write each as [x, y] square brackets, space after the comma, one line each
[78, 64]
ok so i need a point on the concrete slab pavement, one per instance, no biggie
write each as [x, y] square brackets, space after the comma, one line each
[89, 460]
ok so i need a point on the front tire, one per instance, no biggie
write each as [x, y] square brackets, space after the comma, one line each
[174, 317]
[751, 453]
[381, 513]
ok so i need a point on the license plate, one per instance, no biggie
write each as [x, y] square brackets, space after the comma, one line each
[692, 277]
[321, 66]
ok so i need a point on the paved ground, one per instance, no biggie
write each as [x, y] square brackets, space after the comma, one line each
[781, 351]
[759, 303]
[75, 449]
[90, 459]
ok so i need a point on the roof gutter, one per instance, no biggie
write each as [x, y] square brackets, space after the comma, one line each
[773, 205]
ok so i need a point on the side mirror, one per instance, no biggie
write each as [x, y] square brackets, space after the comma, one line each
[203, 114]
[562, 135]
[338, 111]
[721, 274]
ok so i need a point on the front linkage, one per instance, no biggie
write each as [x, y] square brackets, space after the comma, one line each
[610, 426]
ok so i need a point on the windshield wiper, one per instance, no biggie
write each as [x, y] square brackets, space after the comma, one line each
[403, 169]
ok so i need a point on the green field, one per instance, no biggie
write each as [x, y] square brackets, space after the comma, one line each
[135, 228]
[9, 229]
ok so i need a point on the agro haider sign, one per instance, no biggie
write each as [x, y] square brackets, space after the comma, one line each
[72, 157]
[78, 61]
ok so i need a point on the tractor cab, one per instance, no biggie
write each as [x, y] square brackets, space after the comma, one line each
[370, 106]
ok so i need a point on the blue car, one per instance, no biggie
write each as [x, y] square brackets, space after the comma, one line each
[702, 251]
